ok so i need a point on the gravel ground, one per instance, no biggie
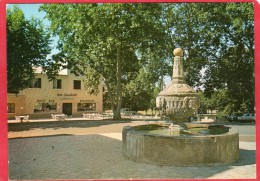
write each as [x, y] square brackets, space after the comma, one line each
[90, 153]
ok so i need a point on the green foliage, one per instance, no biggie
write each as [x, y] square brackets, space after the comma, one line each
[140, 93]
[128, 46]
[219, 38]
[223, 103]
[233, 67]
[27, 47]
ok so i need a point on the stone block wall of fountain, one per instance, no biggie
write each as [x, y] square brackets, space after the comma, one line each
[190, 150]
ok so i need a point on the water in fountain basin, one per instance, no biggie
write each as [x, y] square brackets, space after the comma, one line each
[179, 132]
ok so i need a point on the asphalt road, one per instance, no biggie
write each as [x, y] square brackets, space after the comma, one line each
[247, 131]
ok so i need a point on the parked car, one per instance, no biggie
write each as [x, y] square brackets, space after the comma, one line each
[232, 117]
[193, 118]
[247, 117]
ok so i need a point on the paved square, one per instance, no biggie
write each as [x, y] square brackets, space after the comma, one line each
[90, 153]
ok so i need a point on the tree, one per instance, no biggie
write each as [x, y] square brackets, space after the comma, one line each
[27, 47]
[232, 67]
[219, 100]
[139, 92]
[106, 42]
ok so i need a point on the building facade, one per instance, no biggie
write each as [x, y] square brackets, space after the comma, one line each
[66, 94]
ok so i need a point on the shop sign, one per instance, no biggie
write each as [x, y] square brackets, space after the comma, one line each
[40, 100]
[86, 101]
[67, 94]
[43, 100]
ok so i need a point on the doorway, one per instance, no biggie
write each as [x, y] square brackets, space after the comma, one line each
[67, 108]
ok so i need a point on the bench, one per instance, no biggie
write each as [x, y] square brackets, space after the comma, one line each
[21, 118]
[90, 116]
[59, 117]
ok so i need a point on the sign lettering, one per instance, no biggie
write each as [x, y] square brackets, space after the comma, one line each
[86, 101]
[67, 94]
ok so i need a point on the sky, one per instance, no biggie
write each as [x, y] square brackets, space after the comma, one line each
[31, 10]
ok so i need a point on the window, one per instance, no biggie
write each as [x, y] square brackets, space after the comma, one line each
[11, 107]
[45, 107]
[86, 106]
[36, 83]
[77, 84]
[57, 84]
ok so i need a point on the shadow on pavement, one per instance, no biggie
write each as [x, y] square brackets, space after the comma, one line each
[246, 157]
[42, 136]
[16, 127]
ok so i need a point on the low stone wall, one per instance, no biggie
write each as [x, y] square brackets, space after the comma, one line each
[180, 150]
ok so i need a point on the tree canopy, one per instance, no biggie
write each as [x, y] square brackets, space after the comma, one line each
[28, 45]
[106, 42]
[128, 46]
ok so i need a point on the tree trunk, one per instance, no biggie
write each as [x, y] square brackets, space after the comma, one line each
[111, 97]
[118, 102]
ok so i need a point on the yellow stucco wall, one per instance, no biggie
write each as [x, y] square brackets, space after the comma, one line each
[19, 101]
[27, 98]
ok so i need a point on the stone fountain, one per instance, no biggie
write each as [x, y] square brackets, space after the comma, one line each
[176, 142]
[179, 101]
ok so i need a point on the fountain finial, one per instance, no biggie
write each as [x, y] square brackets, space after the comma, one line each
[178, 52]
[178, 74]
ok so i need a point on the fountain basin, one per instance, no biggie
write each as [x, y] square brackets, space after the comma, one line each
[141, 145]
